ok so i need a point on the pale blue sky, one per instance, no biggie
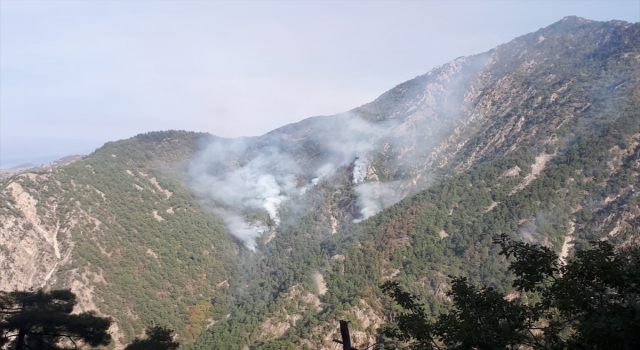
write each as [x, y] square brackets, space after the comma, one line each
[76, 74]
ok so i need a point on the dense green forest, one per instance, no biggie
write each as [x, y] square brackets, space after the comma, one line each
[589, 302]
[585, 191]
[139, 238]
[406, 238]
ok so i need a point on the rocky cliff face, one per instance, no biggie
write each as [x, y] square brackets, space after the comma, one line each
[35, 235]
[537, 137]
[31, 241]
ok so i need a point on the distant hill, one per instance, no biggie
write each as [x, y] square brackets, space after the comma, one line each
[26, 167]
[265, 242]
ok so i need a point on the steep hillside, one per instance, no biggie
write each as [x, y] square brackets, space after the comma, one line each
[119, 228]
[537, 92]
[532, 138]
[268, 241]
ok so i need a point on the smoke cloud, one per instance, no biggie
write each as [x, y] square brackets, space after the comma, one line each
[247, 232]
[238, 176]
[360, 168]
[243, 177]
[237, 180]
[373, 197]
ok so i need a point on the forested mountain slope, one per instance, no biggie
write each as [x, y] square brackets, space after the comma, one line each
[267, 241]
[536, 138]
[121, 231]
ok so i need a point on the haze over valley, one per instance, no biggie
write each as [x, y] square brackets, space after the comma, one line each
[265, 242]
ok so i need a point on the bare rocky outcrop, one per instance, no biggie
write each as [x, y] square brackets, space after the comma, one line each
[536, 168]
[274, 327]
[366, 320]
[34, 242]
[567, 244]
[298, 301]
[157, 185]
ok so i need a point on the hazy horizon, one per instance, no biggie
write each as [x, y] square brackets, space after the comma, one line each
[74, 75]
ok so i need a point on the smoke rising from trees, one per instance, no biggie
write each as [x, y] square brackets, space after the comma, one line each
[236, 176]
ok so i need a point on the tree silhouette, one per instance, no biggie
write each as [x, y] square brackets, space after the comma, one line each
[592, 302]
[43, 320]
[157, 338]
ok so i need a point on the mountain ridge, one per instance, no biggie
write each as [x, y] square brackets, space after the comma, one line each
[535, 137]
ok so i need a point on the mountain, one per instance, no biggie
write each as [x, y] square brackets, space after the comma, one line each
[29, 167]
[265, 242]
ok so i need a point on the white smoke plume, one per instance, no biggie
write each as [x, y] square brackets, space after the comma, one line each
[402, 130]
[373, 197]
[360, 170]
[247, 174]
[227, 173]
[247, 232]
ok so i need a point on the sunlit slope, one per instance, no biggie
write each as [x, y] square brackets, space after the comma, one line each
[541, 142]
[121, 230]
[267, 241]
[536, 92]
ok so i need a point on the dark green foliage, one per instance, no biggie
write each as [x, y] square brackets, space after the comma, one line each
[597, 296]
[577, 102]
[589, 303]
[406, 238]
[157, 338]
[534, 265]
[43, 320]
[154, 269]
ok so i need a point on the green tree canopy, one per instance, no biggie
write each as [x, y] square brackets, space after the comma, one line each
[591, 302]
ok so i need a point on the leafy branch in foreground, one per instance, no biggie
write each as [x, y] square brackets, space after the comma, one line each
[592, 302]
